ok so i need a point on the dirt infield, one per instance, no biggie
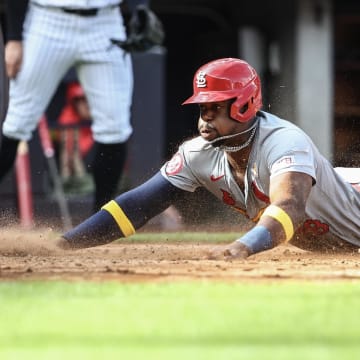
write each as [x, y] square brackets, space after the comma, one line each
[31, 256]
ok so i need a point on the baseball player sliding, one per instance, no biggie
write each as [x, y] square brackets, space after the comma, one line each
[263, 166]
[45, 38]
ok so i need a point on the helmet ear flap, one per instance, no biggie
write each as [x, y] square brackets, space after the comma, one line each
[245, 106]
[239, 110]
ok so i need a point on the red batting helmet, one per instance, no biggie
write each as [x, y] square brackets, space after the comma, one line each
[225, 79]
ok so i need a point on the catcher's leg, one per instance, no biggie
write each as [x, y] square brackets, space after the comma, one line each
[8, 151]
[105, 74]
[107, 168]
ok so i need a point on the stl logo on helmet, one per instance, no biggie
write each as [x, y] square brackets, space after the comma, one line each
[201, 80]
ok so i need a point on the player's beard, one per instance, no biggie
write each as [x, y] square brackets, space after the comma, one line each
[207, 131]
[219, 141]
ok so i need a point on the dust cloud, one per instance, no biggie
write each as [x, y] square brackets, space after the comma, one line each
[15, 241]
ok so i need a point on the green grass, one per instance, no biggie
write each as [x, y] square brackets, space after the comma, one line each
[182, 237]
[195, 320]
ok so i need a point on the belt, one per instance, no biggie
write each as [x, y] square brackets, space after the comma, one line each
[81, 12]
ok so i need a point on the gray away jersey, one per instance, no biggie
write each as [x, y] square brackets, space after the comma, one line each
[333, 205]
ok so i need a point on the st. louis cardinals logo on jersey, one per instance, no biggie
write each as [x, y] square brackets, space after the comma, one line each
[255, 187]
[174, 165]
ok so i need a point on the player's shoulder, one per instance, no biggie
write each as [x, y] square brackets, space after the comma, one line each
[273, 121]
[197, 152]
[273, 126]
[279, 137]
[196, 144]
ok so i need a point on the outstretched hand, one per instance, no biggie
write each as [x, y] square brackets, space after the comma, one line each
[235, 250]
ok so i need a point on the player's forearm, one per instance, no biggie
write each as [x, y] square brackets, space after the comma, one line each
[277, 225]
[268, 233]
[124, 215]
[288, 196]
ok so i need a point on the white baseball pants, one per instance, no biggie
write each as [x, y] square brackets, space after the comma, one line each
[53, 42]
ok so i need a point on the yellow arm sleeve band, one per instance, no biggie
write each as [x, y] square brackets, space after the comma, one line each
[119, 216]
[283, 218]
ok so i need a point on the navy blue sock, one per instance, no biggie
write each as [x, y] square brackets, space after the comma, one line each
[107, 169]
[8, 150]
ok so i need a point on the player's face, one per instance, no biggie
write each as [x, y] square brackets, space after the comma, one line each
[215, 121]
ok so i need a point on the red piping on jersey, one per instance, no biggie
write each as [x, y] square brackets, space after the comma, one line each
[260, 195]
